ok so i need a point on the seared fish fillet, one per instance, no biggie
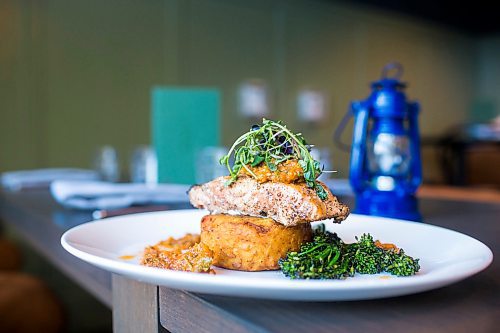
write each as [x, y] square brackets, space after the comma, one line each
[288, 204]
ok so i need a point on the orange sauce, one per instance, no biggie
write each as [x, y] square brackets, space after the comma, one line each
[288, 172]
[386, 246]
[196, 257]
[127, 257]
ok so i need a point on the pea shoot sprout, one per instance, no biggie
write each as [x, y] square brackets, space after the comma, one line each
[273, 143]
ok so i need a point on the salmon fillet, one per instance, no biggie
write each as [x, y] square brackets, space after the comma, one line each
[288, 204]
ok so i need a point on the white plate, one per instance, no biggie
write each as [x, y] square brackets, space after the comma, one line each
[445, 257]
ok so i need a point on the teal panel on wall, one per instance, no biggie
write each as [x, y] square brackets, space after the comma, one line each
[183, 122]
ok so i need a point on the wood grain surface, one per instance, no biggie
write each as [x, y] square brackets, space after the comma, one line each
[472, 305]
[40, 221]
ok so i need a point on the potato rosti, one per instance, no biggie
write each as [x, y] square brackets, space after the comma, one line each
[248, 243]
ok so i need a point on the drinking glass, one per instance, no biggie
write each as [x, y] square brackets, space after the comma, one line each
[106, 163]
[207, 164]
[144, 165]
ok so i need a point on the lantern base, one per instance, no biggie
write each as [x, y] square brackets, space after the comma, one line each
[388, 204]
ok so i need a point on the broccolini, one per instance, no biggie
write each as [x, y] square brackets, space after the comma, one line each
[328, 257]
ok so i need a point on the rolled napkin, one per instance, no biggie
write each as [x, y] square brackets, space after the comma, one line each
[104, 195]
[18, 180]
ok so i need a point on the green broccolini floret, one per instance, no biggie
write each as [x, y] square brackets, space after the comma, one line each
[328, 257]
[364, 256]
[400, 264]
[322, 257]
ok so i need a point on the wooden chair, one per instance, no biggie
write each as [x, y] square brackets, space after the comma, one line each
[26, 304]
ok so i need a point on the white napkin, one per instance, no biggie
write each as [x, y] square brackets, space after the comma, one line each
[17, 180]
[104, 195]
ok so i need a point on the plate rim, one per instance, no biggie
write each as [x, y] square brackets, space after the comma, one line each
[280, 286]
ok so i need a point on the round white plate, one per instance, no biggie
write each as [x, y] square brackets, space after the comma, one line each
[445, 257]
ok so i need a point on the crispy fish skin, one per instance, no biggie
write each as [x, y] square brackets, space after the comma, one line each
[288, 204]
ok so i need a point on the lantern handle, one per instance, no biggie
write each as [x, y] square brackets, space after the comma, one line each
[392, 66]
[337, 135]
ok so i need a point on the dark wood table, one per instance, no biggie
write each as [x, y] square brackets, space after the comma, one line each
[472, 305]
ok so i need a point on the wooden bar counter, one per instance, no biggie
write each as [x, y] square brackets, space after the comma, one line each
[472, 305]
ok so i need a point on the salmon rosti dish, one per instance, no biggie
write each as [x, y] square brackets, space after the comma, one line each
[263, 209]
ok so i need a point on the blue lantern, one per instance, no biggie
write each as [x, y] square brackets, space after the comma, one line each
[385, 166]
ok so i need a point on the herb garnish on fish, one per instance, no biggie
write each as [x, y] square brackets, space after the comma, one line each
[273, 143]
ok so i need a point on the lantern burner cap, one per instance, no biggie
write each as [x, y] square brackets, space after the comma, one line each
[390, 78]
[389, 84]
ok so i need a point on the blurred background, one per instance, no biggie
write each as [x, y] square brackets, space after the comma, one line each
[79, 75]
[75, 75]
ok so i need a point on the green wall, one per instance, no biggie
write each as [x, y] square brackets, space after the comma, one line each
[77, 74]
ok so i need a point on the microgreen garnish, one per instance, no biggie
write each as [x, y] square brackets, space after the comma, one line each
[273, 143]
